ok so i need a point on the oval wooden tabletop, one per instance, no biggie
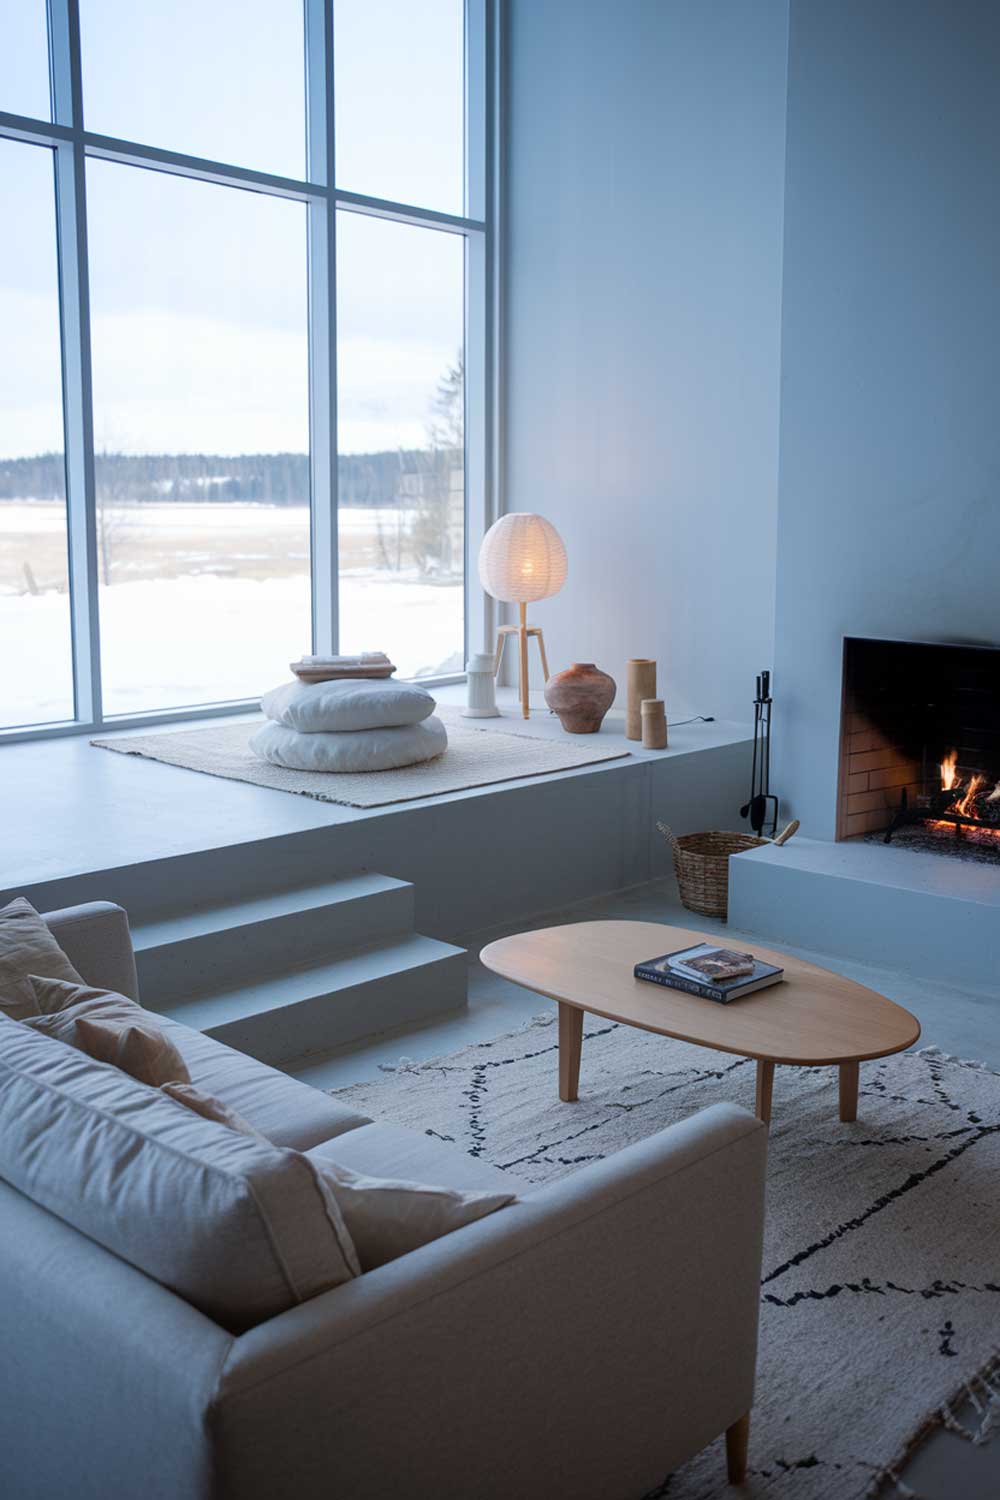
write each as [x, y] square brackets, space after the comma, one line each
[812, 1017]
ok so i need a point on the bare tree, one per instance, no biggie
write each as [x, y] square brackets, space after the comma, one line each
[438, 527]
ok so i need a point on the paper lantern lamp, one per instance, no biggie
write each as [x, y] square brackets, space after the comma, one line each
[522, 559]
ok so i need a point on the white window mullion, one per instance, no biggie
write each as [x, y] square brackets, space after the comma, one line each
[480, 619]
[322, 328]
[74, 297]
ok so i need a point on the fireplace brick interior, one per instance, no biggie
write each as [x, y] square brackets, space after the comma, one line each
[907, 706]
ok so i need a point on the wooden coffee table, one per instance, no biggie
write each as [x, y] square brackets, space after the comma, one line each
[813, 1018]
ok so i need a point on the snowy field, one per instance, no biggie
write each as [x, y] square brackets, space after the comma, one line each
[212, 604]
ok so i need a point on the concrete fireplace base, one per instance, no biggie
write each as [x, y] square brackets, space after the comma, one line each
[923, 914]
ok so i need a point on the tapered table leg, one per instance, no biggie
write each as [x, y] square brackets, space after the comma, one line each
[570, 1047]
[737, 1438]
[849, 1091]
[765, 1088]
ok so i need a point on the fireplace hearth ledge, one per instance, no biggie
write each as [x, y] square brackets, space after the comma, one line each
[918, 913]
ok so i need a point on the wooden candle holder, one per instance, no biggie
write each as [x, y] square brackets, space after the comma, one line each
[654, 724]
[641, 683]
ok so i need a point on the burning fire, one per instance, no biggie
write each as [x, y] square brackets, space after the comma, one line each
[965, 805]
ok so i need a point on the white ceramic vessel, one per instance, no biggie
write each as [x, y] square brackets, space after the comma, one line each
[481, 702]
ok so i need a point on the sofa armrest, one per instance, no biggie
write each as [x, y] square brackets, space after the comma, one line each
[106, 1377]
[96, 940]
[583, 1341]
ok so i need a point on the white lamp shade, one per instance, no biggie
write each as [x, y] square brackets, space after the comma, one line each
[522, 559]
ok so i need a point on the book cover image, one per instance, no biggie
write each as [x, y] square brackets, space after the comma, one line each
[721, 974]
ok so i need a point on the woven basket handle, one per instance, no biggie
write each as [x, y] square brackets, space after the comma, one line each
[668, 834]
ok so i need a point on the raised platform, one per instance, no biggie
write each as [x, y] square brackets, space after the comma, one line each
[922, 914]
[83, 824]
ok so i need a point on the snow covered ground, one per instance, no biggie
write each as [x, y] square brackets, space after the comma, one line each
[208, 634]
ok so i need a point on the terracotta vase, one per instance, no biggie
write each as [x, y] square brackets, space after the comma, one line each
[581, 696]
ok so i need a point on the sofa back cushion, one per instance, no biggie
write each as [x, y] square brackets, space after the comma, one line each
[239, 1229]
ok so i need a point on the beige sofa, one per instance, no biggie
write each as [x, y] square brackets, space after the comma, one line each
[580, 1343]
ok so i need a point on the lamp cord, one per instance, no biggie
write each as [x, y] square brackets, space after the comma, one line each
[698, 719]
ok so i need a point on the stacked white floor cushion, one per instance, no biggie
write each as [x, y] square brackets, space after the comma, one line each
[351, 724]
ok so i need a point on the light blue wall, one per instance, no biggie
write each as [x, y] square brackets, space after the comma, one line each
[889, 509]
[645, 172]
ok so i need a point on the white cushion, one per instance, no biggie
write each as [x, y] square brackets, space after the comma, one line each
[347, 704]
[27, 947]
[387, 1217]
[359, 750]
[241, 1230]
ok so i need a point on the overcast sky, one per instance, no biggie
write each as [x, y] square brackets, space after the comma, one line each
[198, 293]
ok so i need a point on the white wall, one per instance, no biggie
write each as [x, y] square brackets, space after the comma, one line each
[643, 252]
[889, 510]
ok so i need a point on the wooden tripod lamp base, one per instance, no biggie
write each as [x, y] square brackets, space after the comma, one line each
[522, 631]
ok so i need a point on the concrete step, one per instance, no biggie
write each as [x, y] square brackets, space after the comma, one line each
[219, 945]
[393, 982]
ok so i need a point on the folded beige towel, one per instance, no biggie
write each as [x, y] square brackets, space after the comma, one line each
[370, 664]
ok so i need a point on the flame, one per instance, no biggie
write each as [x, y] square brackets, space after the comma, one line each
[966, 805]
[966, 795]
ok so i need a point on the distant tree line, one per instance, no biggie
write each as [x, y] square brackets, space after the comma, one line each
[389, 478]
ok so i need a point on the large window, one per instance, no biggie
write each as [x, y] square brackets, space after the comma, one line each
[244, 395]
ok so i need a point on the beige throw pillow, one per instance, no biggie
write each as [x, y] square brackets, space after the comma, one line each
[387, 1218]
[107, 1027]
[141, 1051]
[27, 947]
[211, 1108]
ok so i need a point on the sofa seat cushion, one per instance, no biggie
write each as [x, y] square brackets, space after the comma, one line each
[381, 1150]
[287, 1112]
[241, 1230]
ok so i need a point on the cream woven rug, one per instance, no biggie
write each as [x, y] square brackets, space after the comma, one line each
[474, 757]
[881, 1279]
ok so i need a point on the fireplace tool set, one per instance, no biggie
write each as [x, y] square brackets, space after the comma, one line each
[762, 806]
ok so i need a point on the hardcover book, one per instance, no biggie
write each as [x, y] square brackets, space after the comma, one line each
[715, 973]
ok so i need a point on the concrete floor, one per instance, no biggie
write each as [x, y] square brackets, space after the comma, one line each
[965, 1025]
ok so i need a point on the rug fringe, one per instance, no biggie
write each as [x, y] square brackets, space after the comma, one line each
[962, 1062]
[982, 1390]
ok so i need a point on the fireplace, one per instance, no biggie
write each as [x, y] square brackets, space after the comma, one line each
[920, 746]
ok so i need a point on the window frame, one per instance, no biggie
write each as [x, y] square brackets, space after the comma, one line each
[72, 144]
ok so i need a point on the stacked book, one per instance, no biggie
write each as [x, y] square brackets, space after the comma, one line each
[715, 973]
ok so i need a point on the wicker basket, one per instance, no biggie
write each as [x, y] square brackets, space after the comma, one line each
[701, 861]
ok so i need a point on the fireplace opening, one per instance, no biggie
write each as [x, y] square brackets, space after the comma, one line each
[920, 746]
